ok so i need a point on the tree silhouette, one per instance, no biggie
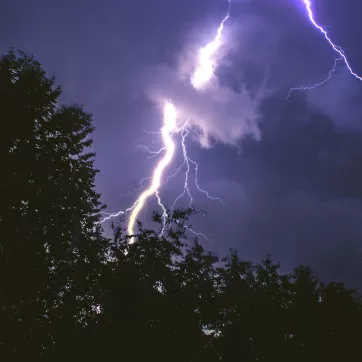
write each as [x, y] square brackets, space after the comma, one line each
[51, 248]
[67, 293]
[167, 298]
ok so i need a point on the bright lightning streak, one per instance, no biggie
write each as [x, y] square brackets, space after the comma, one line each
[336, 48]
[113, 215]
[205, 68]
[169, 127]
[202, 74]
[169, 117]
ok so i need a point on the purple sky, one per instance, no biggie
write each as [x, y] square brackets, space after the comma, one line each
[296, 192]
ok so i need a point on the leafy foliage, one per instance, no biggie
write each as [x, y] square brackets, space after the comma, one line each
[68, 293]
[51, 251]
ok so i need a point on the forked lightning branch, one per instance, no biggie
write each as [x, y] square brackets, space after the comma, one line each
[204, 71]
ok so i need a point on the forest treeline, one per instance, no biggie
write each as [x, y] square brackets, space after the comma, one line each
[68, 293]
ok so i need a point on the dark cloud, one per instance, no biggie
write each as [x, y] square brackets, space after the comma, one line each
[296, 194]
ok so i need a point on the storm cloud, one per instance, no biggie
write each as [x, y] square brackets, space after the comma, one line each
[220, 111]
[294, 188]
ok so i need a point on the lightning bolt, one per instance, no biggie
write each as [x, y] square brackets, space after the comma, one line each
[186, 191]
[170, 125]
[309, 87]
[203, 73]
[341, 56]
[205, 68]
[187, 161]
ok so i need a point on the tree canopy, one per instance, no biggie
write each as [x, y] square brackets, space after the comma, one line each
[51, 248]
[67, 292]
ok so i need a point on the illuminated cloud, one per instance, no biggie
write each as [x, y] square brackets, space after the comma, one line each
[218, 113]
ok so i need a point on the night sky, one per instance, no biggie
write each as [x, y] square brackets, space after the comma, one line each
[289, 171]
